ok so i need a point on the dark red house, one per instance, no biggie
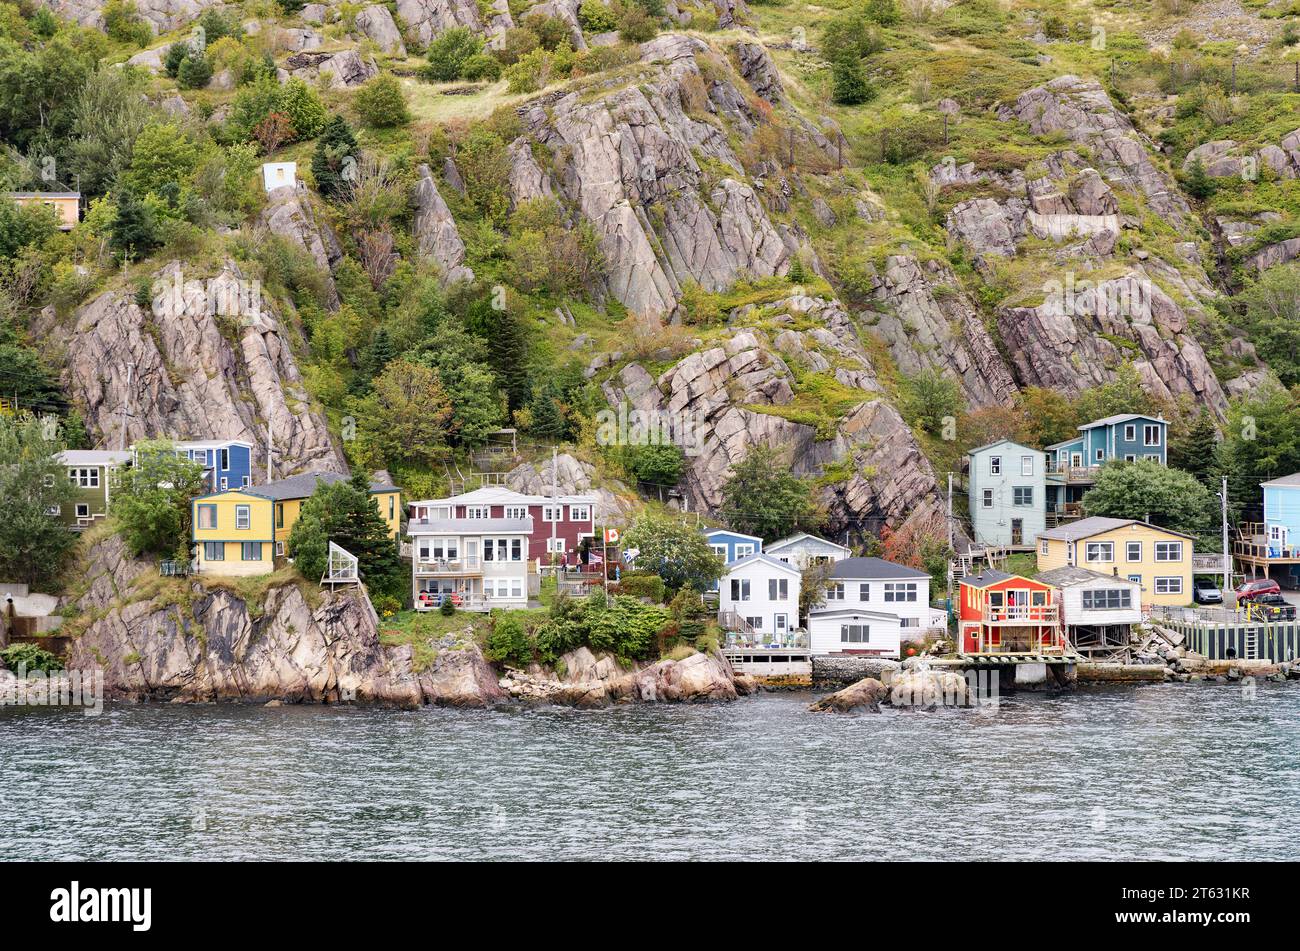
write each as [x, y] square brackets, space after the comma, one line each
[559, 525]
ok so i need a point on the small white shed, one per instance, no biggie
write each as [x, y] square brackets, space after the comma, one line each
[278, 174]
[854, 631]
[1098, 610]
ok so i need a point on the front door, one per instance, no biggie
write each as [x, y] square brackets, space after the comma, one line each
[1277, 538]
[1017, 531]
[1076, 460]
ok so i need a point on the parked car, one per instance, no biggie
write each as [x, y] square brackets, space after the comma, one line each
[1271, 607]
[1249, 590]
[1206, 592]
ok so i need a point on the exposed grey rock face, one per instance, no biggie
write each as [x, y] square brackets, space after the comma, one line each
[288, 214]
[425, 19]
[760, 72]
[527, 179]
[1066, 342]
[565, 11]
[376, 23]
[435, 230]
[298, 40]
[1224, 158]
[340, 70]
[569, 476]
[162, 15]
[209, 359]
[1274, 254]
[591, 681]
[633, 150]
[731, 397]
[929, 324]
[151, 60]
[1081, 110]
[862, 697]
[217, 648]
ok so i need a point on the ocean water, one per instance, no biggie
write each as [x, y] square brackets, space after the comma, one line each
[1151, 772]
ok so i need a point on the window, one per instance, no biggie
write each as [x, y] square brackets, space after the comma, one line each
[1099, 551]
[995, 465]
[279, 549]
[1130, 432]
[517, 548]
[224, 484]
[207, 516]
[1022, 495]
[516, 511]
[995, 599]
[83, 510]
[279, 515]
[900, 591]
[778, 589]
[1026, 465]
[1150, 435]
[1129, 457]
[84, 478]
[1100, 455]
[54, 510]
[510, 549]
[48, 481]
[855, 633]
[835, 592]
[909, 622]
[243, 519]
[755, 622]
[1107, 599]
[478, 511]
[720, 551]
[552, 513]
[1153, 455]
[245, 482]
[1169, 551]
[1172, 585]
[864, 592]
[739, 589]
[251, 551]
[214, 551]
[392, 507]
[1133, 551]
[1137, 578]
[580, 513]
[225, 460]
[555, 546]
[987, 501]
[744, 551]
[1042, 546]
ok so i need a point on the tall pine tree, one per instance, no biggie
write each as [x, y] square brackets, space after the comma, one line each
[1196, 449]
[329, 163]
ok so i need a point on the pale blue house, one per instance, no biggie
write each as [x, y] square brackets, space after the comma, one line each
[1282, 515]
[1008, 494]
[1073, 464]
[732, 546]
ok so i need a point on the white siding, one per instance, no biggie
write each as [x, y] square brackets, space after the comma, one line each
[826, 634]
[801, 552]
[759, 605]
[914, 616]
[1072, 604]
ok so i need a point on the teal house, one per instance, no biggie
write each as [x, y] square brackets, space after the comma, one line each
[1008, 492]
[1073, 464]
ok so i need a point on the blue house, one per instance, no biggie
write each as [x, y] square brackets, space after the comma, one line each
[1073, 464]
[227, 464]
[732, 546]
[1007, 482]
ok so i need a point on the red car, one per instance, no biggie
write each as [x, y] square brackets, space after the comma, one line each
[1250, 590]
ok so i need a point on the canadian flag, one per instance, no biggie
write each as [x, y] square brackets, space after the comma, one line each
[611, 536]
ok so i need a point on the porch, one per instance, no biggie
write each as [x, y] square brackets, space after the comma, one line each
[468, 565]
[1258, 545]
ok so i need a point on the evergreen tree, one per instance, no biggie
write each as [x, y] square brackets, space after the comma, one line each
[547, 411]
[135, 228]
[335, 146]
[763, 497]
[1198, 183]
[849, 83]
[507, 347]
[345, 513]
[1196, 449]
[381, 353]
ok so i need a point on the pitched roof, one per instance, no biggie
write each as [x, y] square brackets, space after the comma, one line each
[92, 457]
[500, 495]
[869, 569]
[800, 536]
[765, 559]
[471, 526]
[209, 443]
[998, 442]
[1068, 576]
[1065, 442]
[1118, 418]
[303, 485]
[1095, 525]
[850, 612]
[726, 531]
[1289, 480]
[986, 577]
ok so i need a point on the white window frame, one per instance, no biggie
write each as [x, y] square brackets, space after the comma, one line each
[478, 512]
[855, 633]
[900, 592]
[1130, 432]
[778, 589]
[743, 550]
[516, 512]
[552, 513]
[243, 518]
[1176, 546]
[1169, 584]
[835, 591]
[1128, 551]
[1108, 548]
[580, 513]
[1026, 465]
[82, 510]
[987, 500]
[84, 478]
[1151, 434]
[741, 590]
[555, 546]
[1101, 455]
[864, 591]
[995, 465]
[1042, 546]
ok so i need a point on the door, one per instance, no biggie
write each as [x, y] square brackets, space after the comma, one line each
[1076, 460]
[782, 627]
[1277, 539]
[1017, 531]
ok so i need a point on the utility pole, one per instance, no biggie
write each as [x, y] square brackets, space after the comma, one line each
[270, 451]
[1227, 562]
[555, 494]
[951, 552]
[126, 406]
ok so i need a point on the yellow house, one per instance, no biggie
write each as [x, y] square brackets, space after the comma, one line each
[66, 205]
[1157, 559]
[289, 494]
[233, 534]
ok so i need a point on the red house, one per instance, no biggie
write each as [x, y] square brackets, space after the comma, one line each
[559, 525]
[1003, 613]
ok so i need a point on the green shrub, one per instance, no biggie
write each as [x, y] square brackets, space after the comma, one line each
[508, 643]
[643, 586]
[174, 56]
[195, 71]
[849, 83]
[447, 608]
[449, 52]
[530, 73]
[381, 104]
[597, 17]
[30, 658]
[481, 67]
[124, 24]
[636, 26]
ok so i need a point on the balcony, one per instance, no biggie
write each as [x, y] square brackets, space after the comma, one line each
[1253, 545]
[1023, 615]
[1071, 474]
[449, 567]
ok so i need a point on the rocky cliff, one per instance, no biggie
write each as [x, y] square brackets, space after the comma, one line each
[206, 358]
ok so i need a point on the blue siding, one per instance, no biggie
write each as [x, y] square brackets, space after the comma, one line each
[231, 463]
[1282, 507]
[1120, 440]
[734, 544]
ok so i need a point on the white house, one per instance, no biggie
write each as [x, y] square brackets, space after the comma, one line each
[278, 174]
[802, 550]
[476, 563]
[1098, 610]
[854, 631]
[873, 584]
[763, 593]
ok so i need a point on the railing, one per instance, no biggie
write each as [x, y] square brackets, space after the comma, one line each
[790, 640]
[1073, 473]
[460, 602]
[731, 621]
[1265, 551]
[470, 564]
[1022, 614]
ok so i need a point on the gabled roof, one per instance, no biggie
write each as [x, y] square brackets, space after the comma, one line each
[1289, 481]
[1087, 527]
[987, 577]
[235, 491]
[208, 443]
[872, 569]
[1065, 442]
[800, 536]
[850, 612]
[1120, 418]
[471, 526]
[726, 531]
[302, 486]
[499, 495]
[765, 559]
[1069, 576]
[92, 457]
[999, 442]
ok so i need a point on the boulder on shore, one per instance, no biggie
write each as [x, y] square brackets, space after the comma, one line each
[862, 697]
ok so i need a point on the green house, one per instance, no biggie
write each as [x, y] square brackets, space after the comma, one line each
[95, 474]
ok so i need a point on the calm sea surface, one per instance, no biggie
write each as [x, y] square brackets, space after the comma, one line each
[1167, 772]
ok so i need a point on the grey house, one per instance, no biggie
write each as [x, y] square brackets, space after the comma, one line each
[1008, 494]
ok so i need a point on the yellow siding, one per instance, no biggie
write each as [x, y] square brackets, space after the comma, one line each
[1147, 567]
[289, 510]
[390, 510]
[231, 538]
